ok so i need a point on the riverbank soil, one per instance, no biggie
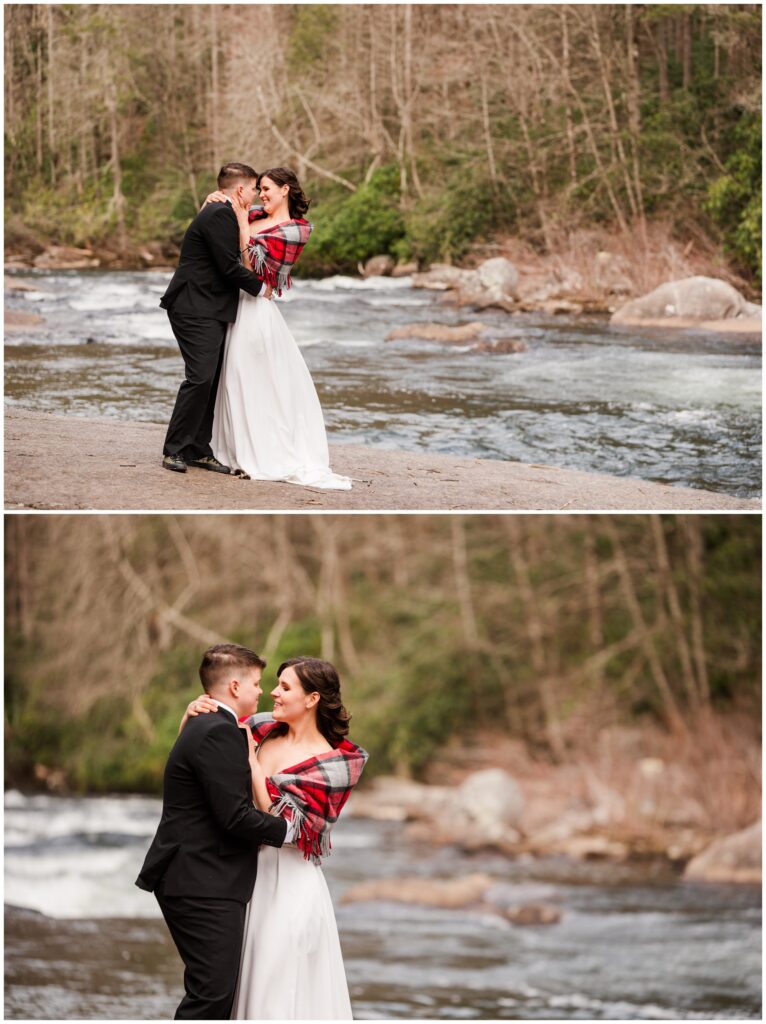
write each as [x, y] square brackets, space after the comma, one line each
[65, 462]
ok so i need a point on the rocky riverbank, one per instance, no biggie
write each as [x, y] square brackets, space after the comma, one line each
[68, 462]
[644, 807]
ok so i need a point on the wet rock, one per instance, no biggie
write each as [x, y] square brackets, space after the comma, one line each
[492, 801]
[472, 335]
[447, 893]
[441, 276]
[16, 318]
[499, 278]
[64, 257]
[533, 913]
[389, 798]
[556, 307]
[500, 346]
[735, 858]
[404, 269]
[439, 332]
[14, 285]
[378, 266]
[693, 298]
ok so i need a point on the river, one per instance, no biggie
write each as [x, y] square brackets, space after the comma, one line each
[675, 407]
[633, 942]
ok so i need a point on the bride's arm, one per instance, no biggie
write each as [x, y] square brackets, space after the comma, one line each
[199, 706]
[261, 797]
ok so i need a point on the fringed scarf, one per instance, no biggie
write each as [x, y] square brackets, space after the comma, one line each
[275, 250]
[312, 793]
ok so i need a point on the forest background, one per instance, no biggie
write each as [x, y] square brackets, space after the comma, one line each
[426, 132]
[569, 637]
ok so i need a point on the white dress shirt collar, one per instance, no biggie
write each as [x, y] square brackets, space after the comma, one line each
[221, 704]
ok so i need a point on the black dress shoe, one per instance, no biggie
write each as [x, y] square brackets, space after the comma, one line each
[209, 462]
[174, 462]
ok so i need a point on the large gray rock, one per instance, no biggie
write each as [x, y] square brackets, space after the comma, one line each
[441, 276]
[379, 266]
[499, 278]
[692, 298]
[735, 858]
[492, 802]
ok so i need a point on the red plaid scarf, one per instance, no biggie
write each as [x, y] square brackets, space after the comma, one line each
[275, 250]
[312, 793]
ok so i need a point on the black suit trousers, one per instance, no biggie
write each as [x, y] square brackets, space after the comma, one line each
[191, 426]
[208, 935]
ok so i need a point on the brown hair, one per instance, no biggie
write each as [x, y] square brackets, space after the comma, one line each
[297, 202]
[321, 677]
[223, 659]
[232, 174]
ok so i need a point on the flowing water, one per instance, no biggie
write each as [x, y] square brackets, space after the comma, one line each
[633, 943]
[677, 407]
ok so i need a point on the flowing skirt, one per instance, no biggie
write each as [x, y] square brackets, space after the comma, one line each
[268, 421]
[292, 966]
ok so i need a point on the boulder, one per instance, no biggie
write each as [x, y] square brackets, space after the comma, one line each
[492, 801]
[458, 335]
[389, 798]
[470, 334]
[533, 913]
[693, 298]
[13, 284]
[448, 893]
[378, 266]
[16, 319]
[441, 276]
[404, 269]
[499, 278]
[64, 257]
[735, 858]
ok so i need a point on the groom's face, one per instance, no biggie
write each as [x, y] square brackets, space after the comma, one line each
[248, 192]
[249, 690]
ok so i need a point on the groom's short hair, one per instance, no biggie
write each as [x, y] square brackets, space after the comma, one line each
[223, 660]
[232, 174]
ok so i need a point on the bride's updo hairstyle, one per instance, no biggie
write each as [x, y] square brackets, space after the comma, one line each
[297, 202]
[321, 677]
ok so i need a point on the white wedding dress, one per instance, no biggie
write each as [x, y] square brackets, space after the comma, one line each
[292, 966]
[268, 421]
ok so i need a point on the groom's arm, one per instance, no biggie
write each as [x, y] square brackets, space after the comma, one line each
[221, 233]
[224, 772]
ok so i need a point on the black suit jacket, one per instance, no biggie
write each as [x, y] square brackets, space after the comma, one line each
[208, 837]
[209, 275]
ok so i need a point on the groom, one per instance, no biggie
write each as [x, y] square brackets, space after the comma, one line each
[202, 862]
[201, 300]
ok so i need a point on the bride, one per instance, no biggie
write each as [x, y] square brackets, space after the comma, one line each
[268, 422]
[303, 768]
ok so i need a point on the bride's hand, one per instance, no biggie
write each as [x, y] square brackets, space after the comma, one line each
[216, 197]
[268, 292]
[251, 752]
[201, 706]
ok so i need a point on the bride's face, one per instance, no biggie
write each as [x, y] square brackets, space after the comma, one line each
[291, 702]
[272, 195]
